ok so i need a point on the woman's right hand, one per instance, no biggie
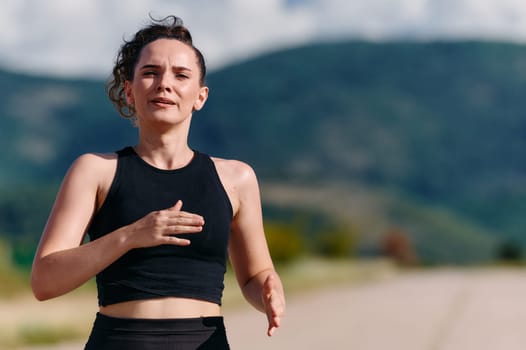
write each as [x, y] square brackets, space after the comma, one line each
[162, 227]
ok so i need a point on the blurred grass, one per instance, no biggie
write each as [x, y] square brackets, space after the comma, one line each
[40, 334]
[314, 273]
[12, 280]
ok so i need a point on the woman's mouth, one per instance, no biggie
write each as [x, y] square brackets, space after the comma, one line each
[162, 101]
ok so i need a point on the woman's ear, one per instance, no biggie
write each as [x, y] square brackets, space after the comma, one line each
[201, 98]
[129, 93]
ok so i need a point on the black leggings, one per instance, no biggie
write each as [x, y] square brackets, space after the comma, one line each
[157, 334]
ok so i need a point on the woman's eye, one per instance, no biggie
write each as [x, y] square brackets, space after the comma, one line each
[181, 76]
[149, 72]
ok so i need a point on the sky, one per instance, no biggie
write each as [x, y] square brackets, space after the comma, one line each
[80, 38]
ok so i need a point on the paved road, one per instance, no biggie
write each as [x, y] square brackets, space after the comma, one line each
[437, 310]
[440, 310]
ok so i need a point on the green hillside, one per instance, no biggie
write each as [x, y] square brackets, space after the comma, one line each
[432, 133]
[442, 122]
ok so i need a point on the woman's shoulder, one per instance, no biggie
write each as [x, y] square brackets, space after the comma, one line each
[93, 166]
[95, 159]
[102, 157]
[92, 172]
[234, 170]
[239, 180]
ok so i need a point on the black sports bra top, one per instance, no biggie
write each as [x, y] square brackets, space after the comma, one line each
[195, 271]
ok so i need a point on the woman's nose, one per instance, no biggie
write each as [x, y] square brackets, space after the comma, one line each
[164, 83]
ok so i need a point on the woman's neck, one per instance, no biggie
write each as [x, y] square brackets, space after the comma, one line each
[164, 151]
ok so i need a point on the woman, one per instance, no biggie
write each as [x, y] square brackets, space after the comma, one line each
[161, 216]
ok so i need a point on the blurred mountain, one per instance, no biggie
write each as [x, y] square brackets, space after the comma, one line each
[425, 137]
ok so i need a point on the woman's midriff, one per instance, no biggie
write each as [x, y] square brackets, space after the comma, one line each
[162, 308]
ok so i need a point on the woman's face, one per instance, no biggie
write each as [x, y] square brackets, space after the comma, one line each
[165, 88]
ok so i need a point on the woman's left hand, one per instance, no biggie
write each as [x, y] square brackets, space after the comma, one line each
[273, 300]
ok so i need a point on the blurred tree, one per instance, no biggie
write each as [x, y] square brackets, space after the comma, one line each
[336, 241]
[509, 251]
[397, 245]
[5, 255]
[284, 240]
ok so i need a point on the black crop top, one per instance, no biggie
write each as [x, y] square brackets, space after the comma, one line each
[195, 271]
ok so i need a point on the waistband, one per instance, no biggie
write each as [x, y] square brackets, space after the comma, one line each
[157, 325]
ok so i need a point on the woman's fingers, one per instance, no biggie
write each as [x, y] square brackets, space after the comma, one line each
[184, 224]
[178, 221]
[178, 205]
[163, 226]
[274, 304]
[174, 240]
[176, 213]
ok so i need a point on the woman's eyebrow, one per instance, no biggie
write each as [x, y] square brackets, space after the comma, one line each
[181, 68]
[156, 66]
[150, 66]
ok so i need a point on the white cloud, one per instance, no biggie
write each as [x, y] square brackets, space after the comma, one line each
[81, 37]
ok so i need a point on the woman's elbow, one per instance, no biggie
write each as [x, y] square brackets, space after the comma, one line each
[41, 295]
[42, 289]
[38, 289]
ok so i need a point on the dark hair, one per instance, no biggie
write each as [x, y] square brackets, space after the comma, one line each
[170, 27]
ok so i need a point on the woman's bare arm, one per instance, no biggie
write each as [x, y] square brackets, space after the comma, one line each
[248, 248]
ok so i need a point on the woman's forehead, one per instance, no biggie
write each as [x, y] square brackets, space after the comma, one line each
[162, 51]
